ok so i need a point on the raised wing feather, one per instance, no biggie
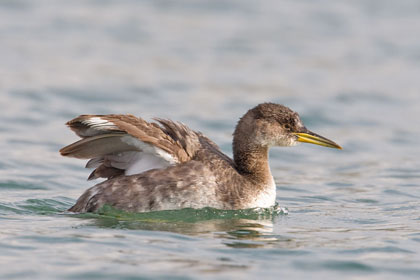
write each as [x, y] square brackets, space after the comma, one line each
[125, 144]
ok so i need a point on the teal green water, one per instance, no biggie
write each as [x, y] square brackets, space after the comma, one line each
[350, 68]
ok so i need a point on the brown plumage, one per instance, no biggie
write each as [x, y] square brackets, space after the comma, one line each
[165, 165]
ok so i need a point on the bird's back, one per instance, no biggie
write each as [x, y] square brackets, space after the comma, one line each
[149, 166]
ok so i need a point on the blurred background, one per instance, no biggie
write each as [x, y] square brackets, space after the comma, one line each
[350, 68]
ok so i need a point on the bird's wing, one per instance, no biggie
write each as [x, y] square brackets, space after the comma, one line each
[125, 144]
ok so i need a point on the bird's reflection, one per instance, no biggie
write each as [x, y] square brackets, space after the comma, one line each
[239, 229]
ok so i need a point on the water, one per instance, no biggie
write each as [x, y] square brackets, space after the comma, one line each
[351, 68]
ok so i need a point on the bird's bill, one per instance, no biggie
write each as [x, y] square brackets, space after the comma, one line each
[313, 138]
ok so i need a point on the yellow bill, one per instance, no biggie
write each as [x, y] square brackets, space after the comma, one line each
[313, 138]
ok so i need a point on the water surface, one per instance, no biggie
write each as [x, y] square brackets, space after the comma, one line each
[350, 68]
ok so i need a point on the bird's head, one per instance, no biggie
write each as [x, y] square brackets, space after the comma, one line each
[270, 124]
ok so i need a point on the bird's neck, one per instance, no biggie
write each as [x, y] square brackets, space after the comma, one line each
[253, 163]
[251, 157]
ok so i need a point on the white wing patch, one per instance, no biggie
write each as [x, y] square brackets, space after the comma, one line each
[99, 123]
[150, 157]
[95, 124]
[142, 157]
[142, 162]
[149, 149]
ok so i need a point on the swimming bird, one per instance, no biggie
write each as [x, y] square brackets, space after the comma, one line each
[164, 165]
